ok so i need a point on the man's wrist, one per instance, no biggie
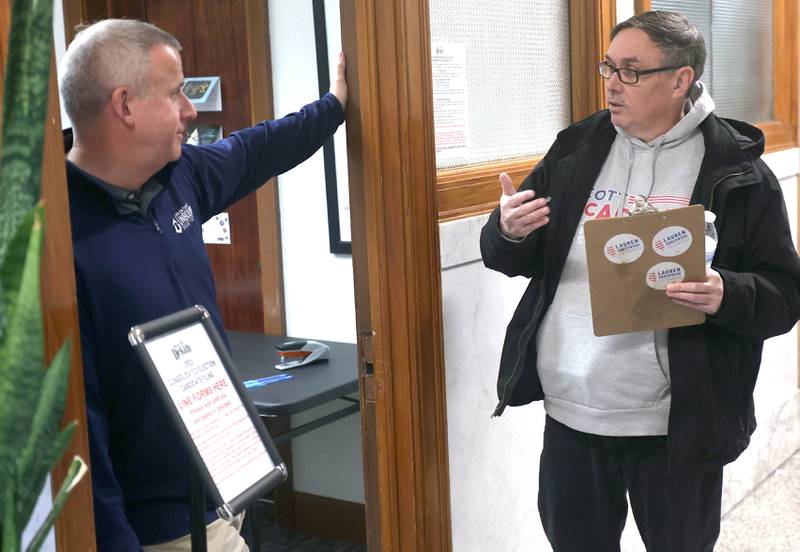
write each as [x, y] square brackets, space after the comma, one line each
[507, 237]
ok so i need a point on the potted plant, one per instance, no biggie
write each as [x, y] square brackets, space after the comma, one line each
[31, 397]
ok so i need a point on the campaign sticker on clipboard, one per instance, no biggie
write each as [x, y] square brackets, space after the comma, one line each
[672, 241]
[623, 248]
[664, 273]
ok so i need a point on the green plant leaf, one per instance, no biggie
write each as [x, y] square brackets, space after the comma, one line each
[27, 75]
[9, 533]
[21, 361]
[12, 265]
[45, 445]
[77, 470]
[24, 110]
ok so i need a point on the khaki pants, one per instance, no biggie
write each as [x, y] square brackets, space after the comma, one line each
[221, 535]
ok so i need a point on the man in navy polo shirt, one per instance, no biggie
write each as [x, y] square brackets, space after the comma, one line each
[138, 197]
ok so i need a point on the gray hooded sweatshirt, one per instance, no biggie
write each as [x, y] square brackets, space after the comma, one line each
[618, 385]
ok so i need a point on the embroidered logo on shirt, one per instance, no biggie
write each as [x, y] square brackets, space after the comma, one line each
[182, 218]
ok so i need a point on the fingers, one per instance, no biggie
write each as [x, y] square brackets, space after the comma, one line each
[507, 185]
[520, 213]
[703, 296]
[510, 196]
[688, 288]
[339, 85]
[535, 219]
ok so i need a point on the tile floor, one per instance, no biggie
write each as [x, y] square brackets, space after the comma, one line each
[768, 519]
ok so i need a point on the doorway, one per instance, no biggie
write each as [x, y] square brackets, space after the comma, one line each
[394, 235]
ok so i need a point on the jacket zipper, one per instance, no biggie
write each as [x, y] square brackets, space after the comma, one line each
[504, 397]
[717, 183]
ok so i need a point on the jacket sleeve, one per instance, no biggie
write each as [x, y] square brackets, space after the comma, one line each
[517, 258]
[763, 299]
[114, 533]
[229, 169]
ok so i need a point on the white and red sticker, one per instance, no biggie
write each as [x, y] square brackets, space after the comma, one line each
[623, 248]
[672, 241]
[664, 273]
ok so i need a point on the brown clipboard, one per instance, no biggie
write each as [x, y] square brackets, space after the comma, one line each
[631, 259]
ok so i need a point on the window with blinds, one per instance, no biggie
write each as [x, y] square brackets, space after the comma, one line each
[501, 78]
[739, 41]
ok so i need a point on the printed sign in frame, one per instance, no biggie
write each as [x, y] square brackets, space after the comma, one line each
[193, 372]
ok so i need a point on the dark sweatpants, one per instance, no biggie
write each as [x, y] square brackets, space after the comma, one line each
[583, 479]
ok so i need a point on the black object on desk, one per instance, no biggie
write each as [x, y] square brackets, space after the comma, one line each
[312, 385]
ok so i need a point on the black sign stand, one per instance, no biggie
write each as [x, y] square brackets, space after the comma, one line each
[181, 327]
[197, 497]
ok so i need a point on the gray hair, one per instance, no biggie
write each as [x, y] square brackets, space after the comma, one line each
[680, 42]
[104, 56]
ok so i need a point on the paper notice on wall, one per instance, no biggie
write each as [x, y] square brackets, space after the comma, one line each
[211, 409]
[217, 229]
[450, 108]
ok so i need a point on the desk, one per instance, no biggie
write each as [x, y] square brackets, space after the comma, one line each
[255, 357]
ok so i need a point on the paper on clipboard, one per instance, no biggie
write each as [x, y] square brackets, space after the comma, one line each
[632, 259]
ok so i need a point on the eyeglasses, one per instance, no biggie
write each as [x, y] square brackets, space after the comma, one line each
[629, 76]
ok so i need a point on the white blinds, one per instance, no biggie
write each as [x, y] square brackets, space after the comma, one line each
[517, 76]
[738, 36]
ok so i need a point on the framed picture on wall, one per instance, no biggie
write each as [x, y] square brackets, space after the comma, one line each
[327, 38]
[200, 135]
[203, 92]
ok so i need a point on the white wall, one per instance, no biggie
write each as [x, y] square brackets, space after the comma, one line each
[494, 462]
[318, 285]
[624, 9]
[59, 45]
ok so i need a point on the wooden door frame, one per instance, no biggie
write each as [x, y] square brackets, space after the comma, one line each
[392, 179]
[74, 528]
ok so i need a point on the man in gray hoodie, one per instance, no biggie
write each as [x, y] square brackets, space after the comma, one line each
[654, 415]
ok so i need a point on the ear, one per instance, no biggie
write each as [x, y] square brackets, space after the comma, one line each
[683, 81]
[120, 105]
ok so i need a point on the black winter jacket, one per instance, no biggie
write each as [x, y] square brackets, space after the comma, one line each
[714, 365]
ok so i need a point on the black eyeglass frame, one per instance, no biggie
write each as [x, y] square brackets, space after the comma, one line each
[637, 72]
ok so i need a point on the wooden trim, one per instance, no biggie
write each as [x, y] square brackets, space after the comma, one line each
[779, 135]
[781, 132]
[360, 118]
[590, 26]
[330, 518]
[392, 176]
[641, 6]
[470, 191]
[74, 528]
[267, 203]
[73, 15]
